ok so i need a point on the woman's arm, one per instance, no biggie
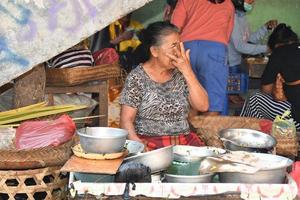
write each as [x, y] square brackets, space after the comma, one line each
[198, 97]
[128, 115]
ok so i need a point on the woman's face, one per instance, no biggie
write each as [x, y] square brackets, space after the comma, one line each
[169, 44]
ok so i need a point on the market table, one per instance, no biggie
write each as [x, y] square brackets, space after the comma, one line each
[286, 191]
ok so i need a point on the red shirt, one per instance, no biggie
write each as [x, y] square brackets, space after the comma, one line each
[203, 20]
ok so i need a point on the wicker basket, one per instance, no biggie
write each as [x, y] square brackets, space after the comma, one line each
[208, 127]
[44, 183]
[79, 75]
[36, 158]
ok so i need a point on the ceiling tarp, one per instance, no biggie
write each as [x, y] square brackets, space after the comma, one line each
[33, 31]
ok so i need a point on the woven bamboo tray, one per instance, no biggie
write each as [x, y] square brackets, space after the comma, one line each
[79, 75]
[44, 183]
[36, 158]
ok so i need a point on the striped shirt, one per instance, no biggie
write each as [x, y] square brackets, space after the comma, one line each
[72, 58]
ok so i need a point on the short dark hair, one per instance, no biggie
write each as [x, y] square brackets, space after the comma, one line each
[282, 34]
[239, 5]
[172, 3]
[152, 35]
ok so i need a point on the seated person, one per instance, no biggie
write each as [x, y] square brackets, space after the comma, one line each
[122, 31]
[242, 41]
[122, 36]
[284, 60]
[158, 94]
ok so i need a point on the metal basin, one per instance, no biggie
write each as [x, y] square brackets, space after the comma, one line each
[102, 139]
[186, 153]
[247, 140]
[157, 160]
[274, 171]
[205, 178]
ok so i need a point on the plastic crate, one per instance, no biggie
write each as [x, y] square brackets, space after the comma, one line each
[237, 83]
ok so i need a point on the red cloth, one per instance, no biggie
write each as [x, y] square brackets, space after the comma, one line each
[266, 126]
[156, 142]
[105, 56]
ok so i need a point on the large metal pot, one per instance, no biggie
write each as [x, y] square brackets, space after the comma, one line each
[247, 140]
[186, 153]
[102, 139]
[205, 178]
[157, 160]
[274, 171]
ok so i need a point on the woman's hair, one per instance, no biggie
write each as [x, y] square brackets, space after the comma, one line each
[282, 34]
[239, 5]
[153, 36]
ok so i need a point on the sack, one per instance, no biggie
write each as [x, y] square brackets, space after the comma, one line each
[284, 130]
[278, 92]
[37, 134]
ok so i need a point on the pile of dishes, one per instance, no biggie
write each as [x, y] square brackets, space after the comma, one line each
[185, 166]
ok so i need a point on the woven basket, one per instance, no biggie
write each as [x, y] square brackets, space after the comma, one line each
[286, 146]
[44, 183]
[35, 158]
[208, 127]
[79, 75]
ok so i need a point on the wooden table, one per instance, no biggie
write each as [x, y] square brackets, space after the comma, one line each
[100, 87]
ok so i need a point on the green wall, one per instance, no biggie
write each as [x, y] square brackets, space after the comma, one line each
[287, 11]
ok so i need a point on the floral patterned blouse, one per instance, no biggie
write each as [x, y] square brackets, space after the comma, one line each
[162, 108]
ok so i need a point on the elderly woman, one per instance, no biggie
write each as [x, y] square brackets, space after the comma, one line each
[285, 60]
[158, 93]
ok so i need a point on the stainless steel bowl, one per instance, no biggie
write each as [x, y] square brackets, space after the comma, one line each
[274, 172]
[247, 140]
[205, 178]
[186, 153]
[157, 160]
[102, 139]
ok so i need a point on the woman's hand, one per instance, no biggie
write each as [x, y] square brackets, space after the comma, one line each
[198, 97]
[181, 59]
[271, 24]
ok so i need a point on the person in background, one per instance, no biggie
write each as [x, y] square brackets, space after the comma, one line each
[242, 41]
[120, 35]
[205, 27]
[158, 94]
[168, 9]
[284, 60]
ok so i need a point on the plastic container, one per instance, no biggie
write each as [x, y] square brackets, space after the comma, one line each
[237, 83]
